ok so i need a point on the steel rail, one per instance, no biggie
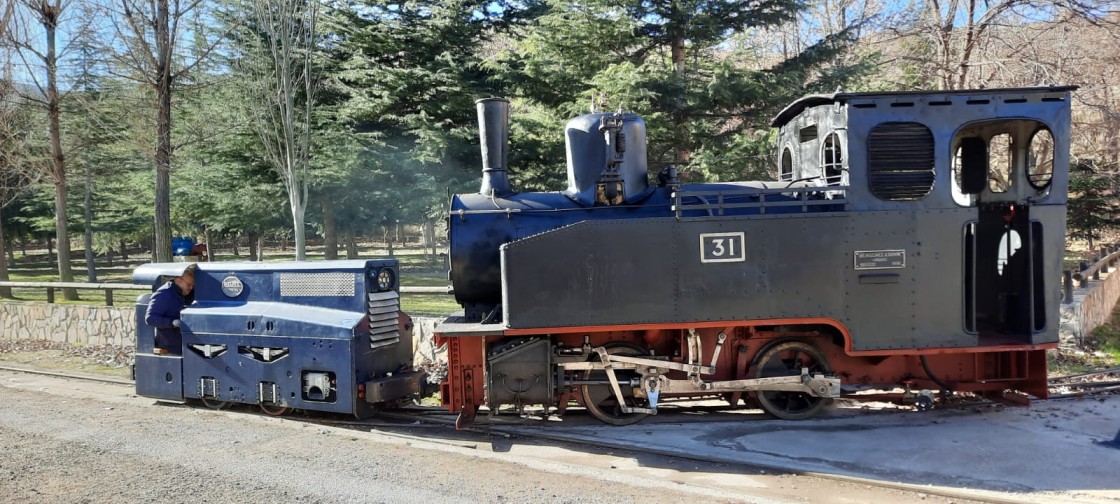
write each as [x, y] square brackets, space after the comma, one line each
[56, 374]
[1082, 375]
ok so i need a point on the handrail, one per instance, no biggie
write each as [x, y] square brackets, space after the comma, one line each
[110, 287]
[1106, 258]
[800, 195]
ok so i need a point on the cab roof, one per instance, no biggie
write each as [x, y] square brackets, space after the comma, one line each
[794, 109]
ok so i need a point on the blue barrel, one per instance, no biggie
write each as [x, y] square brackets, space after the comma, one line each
[181, 246]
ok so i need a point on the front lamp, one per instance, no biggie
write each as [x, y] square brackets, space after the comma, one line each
[385, 279]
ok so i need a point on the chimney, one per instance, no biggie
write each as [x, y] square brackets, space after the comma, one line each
[493, 137]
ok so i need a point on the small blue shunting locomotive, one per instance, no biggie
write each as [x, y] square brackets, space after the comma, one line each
[326, 336]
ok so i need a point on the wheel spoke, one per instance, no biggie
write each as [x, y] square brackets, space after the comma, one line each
[787, 359]
[601, 401]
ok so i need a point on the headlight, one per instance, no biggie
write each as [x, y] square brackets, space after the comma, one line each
[385, 279]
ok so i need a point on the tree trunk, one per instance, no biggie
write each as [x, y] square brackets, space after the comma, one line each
[58, 160]
[124, 251]
[330, 231]
[260, 247]
[206, 236]
[431, 225]
[426, 241]
[50, 249]
[91, 265]
[252, 246]
[162, 240]
[351, 246]
[109, 257]
[299, 228]
[237, 251]
[5, 292]
[22, 246]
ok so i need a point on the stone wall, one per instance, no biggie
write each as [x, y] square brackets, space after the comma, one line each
[1090, 308]
[115, 325]
[79, 324]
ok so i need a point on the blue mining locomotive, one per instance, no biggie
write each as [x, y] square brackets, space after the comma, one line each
[911, 240]
[324, 336]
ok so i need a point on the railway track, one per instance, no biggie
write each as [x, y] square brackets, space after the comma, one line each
[1102, 382]
[1061, 387]
[400, 422]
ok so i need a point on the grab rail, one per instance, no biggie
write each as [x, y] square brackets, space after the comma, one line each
[836, 195]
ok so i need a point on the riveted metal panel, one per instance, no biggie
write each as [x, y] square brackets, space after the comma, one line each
[1052, 222]
[592, 273]
[868, 292]
[782, 276]
[939, 273]
[574, 276]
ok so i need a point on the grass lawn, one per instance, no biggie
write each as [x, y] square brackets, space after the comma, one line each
[1101, 351]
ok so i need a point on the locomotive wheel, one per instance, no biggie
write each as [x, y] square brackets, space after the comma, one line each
[601, 401]
[214, 404]
[787, 359]
[274, 409]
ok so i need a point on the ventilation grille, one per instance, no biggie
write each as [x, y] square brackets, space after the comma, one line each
[807, 134]
[383, 308]
[900, 161]
[317, 284]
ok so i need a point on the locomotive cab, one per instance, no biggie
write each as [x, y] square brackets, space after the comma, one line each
[983, 162]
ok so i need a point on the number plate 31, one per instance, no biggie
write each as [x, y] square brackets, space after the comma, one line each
[722, 247]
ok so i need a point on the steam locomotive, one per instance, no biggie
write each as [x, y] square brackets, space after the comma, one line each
[911, 240]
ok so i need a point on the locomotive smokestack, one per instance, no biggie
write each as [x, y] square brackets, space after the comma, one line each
[493, 137]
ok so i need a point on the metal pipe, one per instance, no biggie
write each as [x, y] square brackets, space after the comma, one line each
[493, 138]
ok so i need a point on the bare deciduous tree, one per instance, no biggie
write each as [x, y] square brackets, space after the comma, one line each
[40, 63]
[957, 35]
[17, 174]
[282, 85]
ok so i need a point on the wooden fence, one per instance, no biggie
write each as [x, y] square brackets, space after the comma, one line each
[110, 287]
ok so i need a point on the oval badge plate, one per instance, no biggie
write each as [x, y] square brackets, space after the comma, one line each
[232, 286]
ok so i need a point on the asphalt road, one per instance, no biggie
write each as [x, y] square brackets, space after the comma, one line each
[74, 441]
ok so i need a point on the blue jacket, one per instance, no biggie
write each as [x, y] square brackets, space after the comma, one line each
[165, 306]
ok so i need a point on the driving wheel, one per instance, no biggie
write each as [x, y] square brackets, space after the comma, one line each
[214, 404]
[787, 359]
[601, 400]
[274, 409]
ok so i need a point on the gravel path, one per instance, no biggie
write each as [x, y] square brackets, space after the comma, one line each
[110, 447]
[77, 441]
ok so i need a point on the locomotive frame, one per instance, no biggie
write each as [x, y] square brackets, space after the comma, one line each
[913, 239]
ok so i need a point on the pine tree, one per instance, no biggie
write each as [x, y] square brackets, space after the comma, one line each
[1093, 210]
[669, 61]
[405, 74]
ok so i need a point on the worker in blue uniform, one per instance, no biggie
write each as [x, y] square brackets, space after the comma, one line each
[163, 312]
